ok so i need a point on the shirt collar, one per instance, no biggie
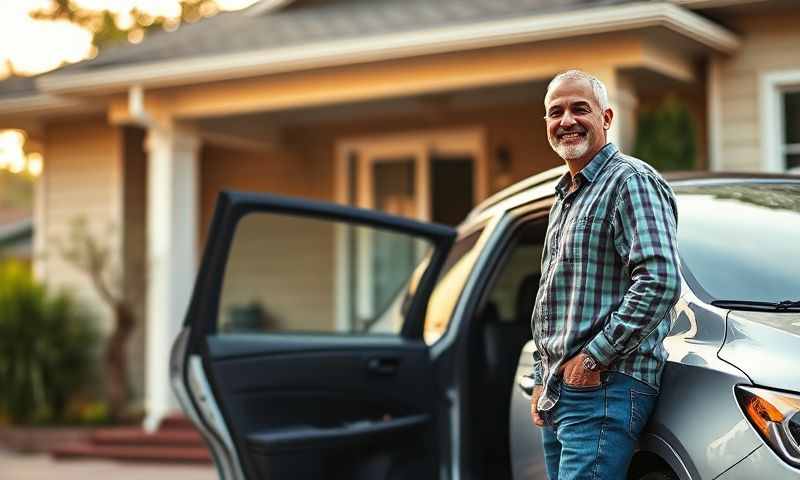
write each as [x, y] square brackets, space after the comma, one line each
[590, 170]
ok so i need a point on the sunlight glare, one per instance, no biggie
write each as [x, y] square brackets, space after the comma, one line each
[35, 164]
[36, 46]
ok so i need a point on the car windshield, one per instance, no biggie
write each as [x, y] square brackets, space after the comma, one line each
[741, 241]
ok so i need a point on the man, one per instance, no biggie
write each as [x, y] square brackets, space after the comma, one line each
[609, 279]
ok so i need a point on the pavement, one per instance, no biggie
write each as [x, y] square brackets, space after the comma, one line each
[15, 466]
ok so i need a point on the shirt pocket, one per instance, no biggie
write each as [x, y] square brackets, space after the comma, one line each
[587, 240]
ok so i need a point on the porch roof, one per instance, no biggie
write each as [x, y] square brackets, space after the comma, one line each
[309, 22]
[308, 34]
[15, 86]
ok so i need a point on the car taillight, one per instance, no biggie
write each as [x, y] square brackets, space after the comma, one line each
[776, 417]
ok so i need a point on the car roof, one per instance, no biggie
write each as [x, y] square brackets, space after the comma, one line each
[528, 189]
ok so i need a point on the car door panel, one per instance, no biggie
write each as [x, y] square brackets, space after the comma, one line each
[327, 401]
[311, 405]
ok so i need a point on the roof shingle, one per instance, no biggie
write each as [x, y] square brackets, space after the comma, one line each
[237, 32]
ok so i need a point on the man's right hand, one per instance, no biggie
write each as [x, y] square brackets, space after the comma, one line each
[537, 392]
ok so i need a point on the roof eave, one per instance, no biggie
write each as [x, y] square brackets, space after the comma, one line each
[703, 4]
[398, 45]
[40, 103]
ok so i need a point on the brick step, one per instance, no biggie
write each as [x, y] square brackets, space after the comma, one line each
[134, 453]
[135, 436]
[176, 422]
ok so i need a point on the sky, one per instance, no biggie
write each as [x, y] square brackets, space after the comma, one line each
[35, 46]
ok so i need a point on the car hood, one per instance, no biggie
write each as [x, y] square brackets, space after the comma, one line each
[765, 346]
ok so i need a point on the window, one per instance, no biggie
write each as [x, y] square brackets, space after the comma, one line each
[448, 288]
[791, 130]
[513, 292]
[302, 274]
[445, 293]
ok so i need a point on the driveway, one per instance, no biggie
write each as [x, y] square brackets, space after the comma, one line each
[40, 467]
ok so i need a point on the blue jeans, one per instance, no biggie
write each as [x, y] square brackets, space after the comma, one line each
[591, 432]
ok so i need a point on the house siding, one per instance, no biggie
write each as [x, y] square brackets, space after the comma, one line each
[83, 180]
[770, 43]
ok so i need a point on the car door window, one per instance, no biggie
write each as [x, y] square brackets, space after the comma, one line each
[305, 274]
[513, 289]
[445, 293]
[451, 282]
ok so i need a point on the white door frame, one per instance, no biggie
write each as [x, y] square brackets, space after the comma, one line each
[419, 145]
[772, 86]
[464, 141]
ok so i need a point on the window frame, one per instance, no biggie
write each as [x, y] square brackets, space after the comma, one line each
[204, 307]
[773, 85]
[518, 218]
[786, 147]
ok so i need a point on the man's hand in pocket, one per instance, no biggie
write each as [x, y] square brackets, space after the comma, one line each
[574, 374]
[537, 392]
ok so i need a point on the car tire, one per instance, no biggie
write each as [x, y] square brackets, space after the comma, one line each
[663, 475]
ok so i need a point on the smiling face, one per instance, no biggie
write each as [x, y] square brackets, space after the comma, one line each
[576, 125]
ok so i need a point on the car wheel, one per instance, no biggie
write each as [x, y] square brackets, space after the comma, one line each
[658, 476]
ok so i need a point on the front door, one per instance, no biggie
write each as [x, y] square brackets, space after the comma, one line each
[436, 175]
[279, 385]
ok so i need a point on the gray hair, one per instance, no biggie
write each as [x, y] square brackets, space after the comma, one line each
[598, 88]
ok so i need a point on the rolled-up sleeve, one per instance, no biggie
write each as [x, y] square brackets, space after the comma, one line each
[645, 237]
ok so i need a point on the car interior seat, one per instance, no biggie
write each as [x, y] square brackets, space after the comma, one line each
[502, 343]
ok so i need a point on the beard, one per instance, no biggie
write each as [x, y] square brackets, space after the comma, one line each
[571, 151]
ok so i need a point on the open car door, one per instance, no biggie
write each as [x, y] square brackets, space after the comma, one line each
[302, 354]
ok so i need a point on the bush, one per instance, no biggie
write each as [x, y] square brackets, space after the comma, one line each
[47, 348]
[665, 137]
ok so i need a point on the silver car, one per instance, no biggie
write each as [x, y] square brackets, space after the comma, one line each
[425, 374]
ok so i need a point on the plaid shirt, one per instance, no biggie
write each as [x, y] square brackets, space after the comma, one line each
[609, 272]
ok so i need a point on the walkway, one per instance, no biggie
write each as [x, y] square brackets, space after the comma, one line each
[41, 467]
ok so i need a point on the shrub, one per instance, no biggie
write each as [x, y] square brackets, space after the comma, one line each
[47, 348]
[665, 137]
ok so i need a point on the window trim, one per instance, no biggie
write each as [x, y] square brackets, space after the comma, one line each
[772, 86]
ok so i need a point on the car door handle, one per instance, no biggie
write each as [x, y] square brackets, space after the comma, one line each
[383, 365]
[525, 383]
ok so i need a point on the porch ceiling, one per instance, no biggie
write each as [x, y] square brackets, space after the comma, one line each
[264, 130]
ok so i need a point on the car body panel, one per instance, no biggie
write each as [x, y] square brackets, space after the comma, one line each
[765, 346]
[763, 464]
[696, 415]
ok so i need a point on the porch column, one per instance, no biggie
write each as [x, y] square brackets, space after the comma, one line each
[622, 96]
[172, 216]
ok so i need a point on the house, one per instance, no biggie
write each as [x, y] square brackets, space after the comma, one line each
[327, 99]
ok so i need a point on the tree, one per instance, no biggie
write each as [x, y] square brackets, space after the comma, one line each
[105, 28]
[85, 251]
